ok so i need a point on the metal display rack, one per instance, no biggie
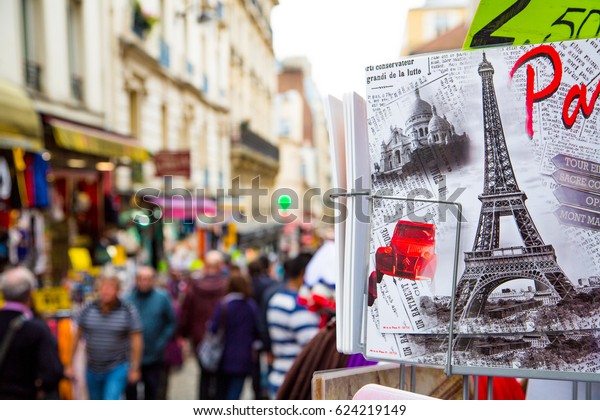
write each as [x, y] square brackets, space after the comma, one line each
[466, 371]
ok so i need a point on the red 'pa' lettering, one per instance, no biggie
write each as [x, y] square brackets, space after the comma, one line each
[578, 92]
[531, 96]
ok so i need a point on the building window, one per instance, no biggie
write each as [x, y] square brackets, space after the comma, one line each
[185, 133]
[164, 112]
[134, 113]
[441, 23]
[32, 42]
[185, 46]
[163, 19]
[75, 34]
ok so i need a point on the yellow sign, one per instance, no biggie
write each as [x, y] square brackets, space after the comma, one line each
[520, 22]
[118, 254]
[230, 239]
[1, 300]
[51, 299]
[80, 259]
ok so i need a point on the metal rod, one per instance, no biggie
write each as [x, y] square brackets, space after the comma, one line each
[588, 390]
[575, 390]
[350, 194]
[452, 302]
[466, 387]
[402, 376]
[475, 387]
[420, 200]
[490, 388]
[413, 378]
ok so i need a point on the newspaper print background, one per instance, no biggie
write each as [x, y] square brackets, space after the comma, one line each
[450, 82]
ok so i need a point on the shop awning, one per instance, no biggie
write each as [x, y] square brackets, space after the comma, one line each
[19, 122]
[92, 141]
[180, 208]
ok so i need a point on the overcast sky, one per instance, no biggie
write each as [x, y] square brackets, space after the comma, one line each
[340, 37]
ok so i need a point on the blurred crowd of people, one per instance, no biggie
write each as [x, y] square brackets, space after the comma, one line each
[134, 338]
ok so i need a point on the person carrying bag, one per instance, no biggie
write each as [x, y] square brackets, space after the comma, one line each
[210, 350]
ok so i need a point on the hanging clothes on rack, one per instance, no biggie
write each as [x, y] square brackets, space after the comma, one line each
[20, 166]
[5, 181]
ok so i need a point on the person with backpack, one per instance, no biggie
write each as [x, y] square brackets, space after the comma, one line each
[30, 367]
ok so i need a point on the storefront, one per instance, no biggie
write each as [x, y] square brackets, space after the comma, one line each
[93, 171]
[261, 237]
[23, 184]
[182, 217]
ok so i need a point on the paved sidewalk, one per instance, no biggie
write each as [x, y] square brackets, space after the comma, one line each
[183, 384]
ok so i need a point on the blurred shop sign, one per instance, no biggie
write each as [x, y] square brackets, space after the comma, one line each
[51, 300]
[174, 163]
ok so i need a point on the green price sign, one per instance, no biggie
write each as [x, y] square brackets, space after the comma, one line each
[510, 22]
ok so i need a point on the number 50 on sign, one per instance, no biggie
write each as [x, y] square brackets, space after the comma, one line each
[519, 22]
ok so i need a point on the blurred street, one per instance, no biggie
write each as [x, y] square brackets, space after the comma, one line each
[183, 383]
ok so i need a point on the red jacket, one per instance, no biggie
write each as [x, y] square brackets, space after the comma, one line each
[198, 306]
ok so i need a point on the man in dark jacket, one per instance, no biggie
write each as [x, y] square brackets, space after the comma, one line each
[30, 365]
[158, 325]
[197, 309]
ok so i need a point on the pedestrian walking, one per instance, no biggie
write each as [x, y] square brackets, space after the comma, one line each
[259, 274]
[290, 324]
[113, 333]
[237, 315]
[201, 299]
[30, 367]
[158, 325]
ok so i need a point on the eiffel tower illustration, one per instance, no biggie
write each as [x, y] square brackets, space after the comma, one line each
[488, 265]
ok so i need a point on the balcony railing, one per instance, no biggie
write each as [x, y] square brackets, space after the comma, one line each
[33, 73]
[256, 143]
[77, 87]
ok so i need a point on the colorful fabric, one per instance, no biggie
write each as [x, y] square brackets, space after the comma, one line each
[40, 172]
[28, 175]
[20, 166]
[5, 182]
